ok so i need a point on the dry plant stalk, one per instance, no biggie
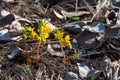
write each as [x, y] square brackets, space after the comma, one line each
[26, 53]
[37, 52]
[63, 53]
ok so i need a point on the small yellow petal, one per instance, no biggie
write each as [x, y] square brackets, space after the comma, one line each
[69, 45]
[46, 35]
[33, 35]
[30, 29]
[38, 38]
[43, 40]
[67, 37]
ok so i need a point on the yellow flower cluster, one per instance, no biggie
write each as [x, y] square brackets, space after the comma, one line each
[59, 34]
[33, 35]
[66, 41]
[63, 41]
[44, 33]
[30, 33]
[42, 36]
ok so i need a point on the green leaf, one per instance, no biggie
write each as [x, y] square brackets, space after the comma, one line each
[75, 18]
[40, 23]
[24, 31]
[24, 25]
[62, 29]
[75, 56]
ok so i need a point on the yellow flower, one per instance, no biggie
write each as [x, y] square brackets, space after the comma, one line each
[33, 35]
[66, 41]
[42, 36]
[29, 28]
[46, 35]
[67, 37]
[43, 40]
[69, 45]
[45, 28]
[58, 34]
[39, 38]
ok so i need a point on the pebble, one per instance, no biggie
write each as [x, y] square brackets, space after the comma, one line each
[71, 76]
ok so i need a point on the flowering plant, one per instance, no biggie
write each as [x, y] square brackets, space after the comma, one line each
[64, 41]
[41, 36]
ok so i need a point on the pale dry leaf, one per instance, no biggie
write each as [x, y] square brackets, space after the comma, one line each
[76, 13]
[8, 1]
[84, 70]
[4, 13]
[53, 52]
[58, 15]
